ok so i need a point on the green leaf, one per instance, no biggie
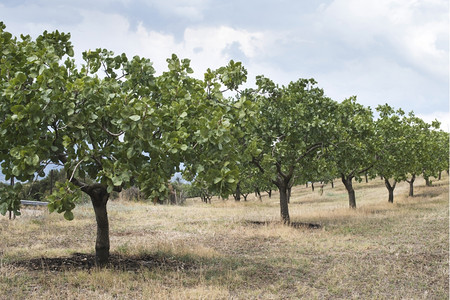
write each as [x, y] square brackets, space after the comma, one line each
[17, 109]
[21, 77]
[35, 159]
[184, 147]
[183, 114]
[130, 153]
[217, 180]
[68, 215]
[70, 52]
[117, 181]
[135, 118]
[15, 171]
[32, 58]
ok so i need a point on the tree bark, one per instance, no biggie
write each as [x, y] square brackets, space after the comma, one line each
[99, 198]
[347, 181]
[270, 193]
[284, 208]
[312, 186]
[390, 189]
[367, 178]
[258, 194]
[282, 184]
[332, 184]
[10, 212]
[289, 190]
[411, 185]
[237, 194]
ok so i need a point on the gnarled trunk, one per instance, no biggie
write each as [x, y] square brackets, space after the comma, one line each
[99, 198]
[289, 191]
[411, 185]
[347, 181]
[390, 188]
[282, 185]
[237, 194]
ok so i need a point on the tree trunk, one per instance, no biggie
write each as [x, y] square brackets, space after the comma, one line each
[347, 181]
[270, 193]
[258, 194]
[237, 194]
[99, 198]
[289, 190]
[367, 178]
[10, 212]
[411, 185]
[332, 184]
[51, 182]
[390, 189]
[284, 207]
[440, 175]
[312, 186]
[428, 181]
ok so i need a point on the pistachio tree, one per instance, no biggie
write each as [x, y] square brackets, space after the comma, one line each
[111, 120]
[418, 135]
[292, 125]
[393, 142]
[434, 153]
[353, 150]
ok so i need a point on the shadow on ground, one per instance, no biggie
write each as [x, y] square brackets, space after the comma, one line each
[82, 261]
[292, 224]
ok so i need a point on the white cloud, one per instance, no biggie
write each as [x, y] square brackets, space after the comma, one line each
[205, 46]
[417, 30]
[190, 9]
[392, 51]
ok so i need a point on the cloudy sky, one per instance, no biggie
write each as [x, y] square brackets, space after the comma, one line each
[383, 51]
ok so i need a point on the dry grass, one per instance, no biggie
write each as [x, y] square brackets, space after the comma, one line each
[201, 251]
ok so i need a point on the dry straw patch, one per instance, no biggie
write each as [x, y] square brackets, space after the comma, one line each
[230, 250]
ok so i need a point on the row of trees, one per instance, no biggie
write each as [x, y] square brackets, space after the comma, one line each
[114, 121]
[299, 135]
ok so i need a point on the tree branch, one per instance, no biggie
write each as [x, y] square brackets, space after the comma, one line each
[312, 148]
[111, 133]
[257, 164]
[278, 165]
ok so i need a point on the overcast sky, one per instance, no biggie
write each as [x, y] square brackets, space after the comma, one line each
[382, 51]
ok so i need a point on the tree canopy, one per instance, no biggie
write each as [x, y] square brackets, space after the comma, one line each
[112, 120]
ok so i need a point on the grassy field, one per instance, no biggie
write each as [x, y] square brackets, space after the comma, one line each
[230, 250]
